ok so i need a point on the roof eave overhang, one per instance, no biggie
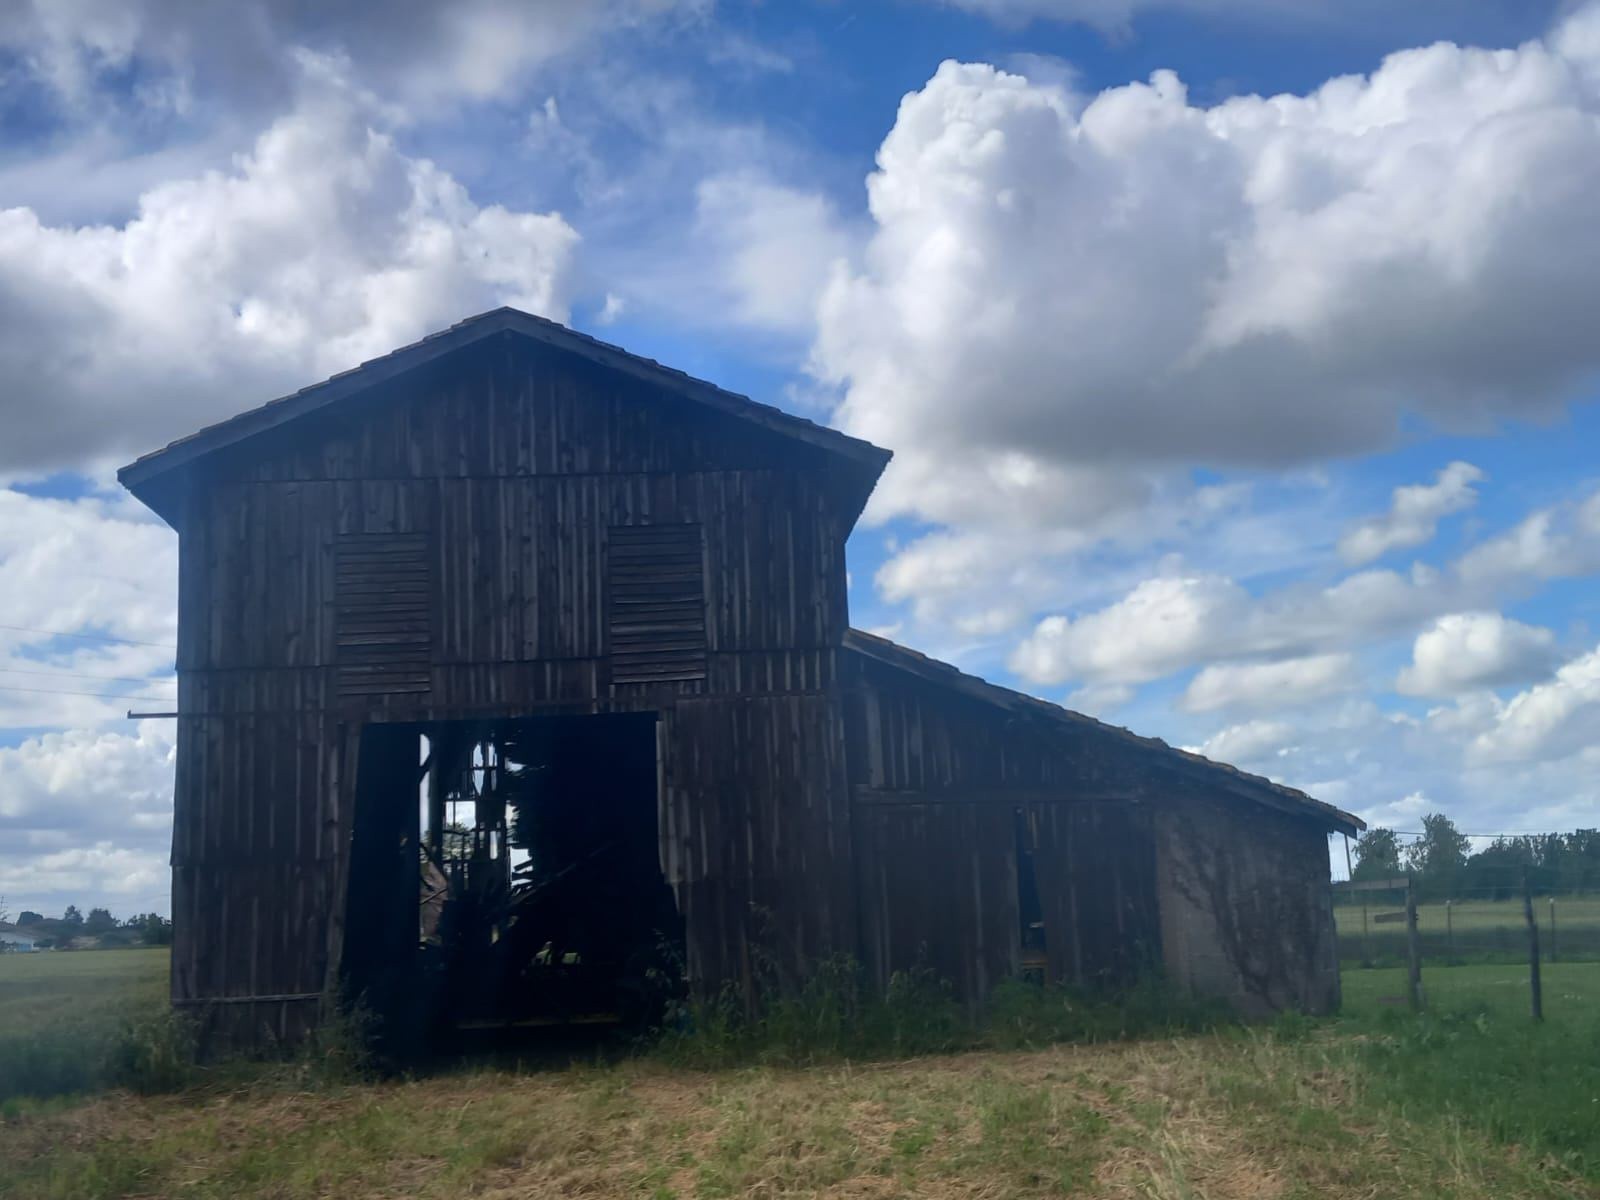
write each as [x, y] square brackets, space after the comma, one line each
[861, 462]
[1193, 767]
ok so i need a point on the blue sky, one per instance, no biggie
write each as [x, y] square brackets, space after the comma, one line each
[1238, 357]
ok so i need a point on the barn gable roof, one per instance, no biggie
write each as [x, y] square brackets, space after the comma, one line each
[1252, 787]
[862, 461]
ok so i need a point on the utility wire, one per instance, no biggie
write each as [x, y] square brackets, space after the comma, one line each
[87, 637]
[95, 695]
[84, 675]
[1417, 833]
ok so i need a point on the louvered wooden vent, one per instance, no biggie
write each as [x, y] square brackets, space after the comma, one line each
[656, 617]
[382, 619]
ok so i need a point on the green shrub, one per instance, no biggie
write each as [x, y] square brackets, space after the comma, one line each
[151, 1054]
[1023, 1013]
[832, 1015]
[835, 1015]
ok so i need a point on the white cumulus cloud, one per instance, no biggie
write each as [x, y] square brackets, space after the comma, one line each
[1270, 685]
[417, 50]
[774, 245]
[86, 818]
[1465, 651]
[1414, 515]
[1249, 742]
[1070, 293]
[1549, 720]
[322, 246]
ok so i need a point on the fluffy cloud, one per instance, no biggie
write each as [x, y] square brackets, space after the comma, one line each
[1156, 629]
[1414, 515]
[1562, 541]
[1250, 742]
[85, 809]
[776, 246]
[1074, 293]
[1172, 622]
[1463, 651]
[1180, 619]
[420, 51]
[102, 569]
[323, 246]
[1548, 721]
[86, 818]
[1273, 685]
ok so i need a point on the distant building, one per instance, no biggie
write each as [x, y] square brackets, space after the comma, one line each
[12, 940]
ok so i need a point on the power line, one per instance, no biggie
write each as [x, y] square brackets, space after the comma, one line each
[84, 675]
[1514, 833]
[87, 637]
[94, 695]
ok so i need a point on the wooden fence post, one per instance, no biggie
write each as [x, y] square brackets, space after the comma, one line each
[1536, 991]
[1552, 929]
[1413, 950]
[1449, 934]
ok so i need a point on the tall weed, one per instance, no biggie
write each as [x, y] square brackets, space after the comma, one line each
[834, 1015]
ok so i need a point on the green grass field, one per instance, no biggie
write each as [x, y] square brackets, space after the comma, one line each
[1571, 990]
[1471, 1101]
[1477, 931]
[63, 1015]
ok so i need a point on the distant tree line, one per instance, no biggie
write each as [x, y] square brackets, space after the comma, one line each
[147, 929]
[1443, 865]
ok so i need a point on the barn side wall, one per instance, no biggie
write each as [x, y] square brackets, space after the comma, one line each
[1138, 867]
[1246, 907]
[946, 794]
[508, 467]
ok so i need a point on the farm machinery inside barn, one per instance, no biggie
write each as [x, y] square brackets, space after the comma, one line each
[505, 873]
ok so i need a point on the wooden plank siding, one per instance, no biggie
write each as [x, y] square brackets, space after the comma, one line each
[497, 483]
[938, 892]
[939, 780]
[1139, 865]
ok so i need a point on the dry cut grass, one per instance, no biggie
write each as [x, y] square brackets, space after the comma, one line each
[1237, 1115]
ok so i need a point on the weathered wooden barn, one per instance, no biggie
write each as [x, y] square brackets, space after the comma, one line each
[510, 661]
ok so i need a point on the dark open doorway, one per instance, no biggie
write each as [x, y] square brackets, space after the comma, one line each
[1034, 958]
[507, 874]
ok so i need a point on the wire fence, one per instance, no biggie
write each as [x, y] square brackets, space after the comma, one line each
[1470, 926]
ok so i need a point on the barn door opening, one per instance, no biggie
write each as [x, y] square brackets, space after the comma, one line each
[507, 873]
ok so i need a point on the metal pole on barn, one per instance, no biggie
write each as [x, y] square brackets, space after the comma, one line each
[1536, 991]
[1413, 949]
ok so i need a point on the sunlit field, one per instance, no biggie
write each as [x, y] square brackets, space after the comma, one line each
[1476, 931]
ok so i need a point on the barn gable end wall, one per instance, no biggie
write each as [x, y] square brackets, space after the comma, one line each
[510, 465]
[1246, 907]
